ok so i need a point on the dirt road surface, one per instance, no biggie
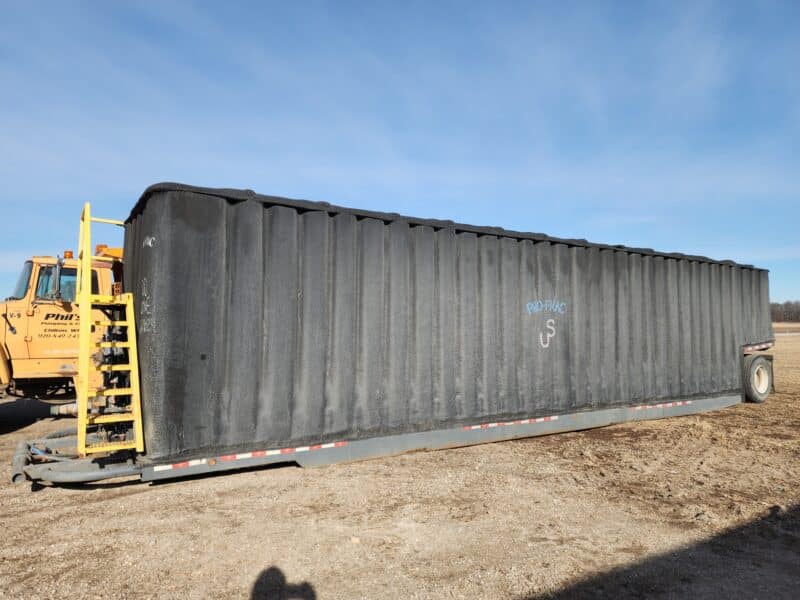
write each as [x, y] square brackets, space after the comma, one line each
[703, 506]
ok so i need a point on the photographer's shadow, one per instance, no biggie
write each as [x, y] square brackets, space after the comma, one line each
[271, 585]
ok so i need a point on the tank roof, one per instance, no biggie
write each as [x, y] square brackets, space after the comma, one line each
[238, 195]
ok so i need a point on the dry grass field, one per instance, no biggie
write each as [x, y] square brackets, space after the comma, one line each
[703, 506]
[784, 328]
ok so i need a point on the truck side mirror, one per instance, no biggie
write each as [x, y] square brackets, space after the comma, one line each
[57, 275]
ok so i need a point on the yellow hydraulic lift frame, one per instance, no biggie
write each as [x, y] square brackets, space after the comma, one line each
[88, 348]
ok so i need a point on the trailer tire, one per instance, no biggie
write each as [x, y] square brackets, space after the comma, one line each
[757, 378]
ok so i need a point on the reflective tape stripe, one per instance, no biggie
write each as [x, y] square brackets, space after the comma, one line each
[662, 405]
[556, 417]
[246, 455]
[181, 465]
[509, 423]
[329, 445]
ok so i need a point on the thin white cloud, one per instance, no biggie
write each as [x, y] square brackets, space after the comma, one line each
[693, 65]
[557, 114]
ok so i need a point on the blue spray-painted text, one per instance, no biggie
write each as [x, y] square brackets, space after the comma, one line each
[551, 306]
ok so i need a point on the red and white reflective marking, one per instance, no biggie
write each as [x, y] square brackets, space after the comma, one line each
[555, 417]
[245, 455]
[507, 423]
[756, 347]
[260, 453]
[662, 405]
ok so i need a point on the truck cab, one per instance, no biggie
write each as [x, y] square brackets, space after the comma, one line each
[39, 326]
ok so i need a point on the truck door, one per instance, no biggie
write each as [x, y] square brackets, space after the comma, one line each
[15, 316]
[53, 328]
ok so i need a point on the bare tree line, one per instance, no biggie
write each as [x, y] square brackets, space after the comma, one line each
[788, 311]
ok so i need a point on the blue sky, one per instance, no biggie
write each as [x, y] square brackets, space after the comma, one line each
[666, 125]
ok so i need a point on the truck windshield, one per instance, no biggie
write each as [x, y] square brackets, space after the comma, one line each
[46, 287]
[22, 283]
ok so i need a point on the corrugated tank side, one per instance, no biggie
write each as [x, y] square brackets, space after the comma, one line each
[266, 325]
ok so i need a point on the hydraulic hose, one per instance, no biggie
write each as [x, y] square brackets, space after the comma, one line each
[58, 470]
[24, 449]
[19, 462]
[60, 434]
[49, 455]
[64, 410]
[88, 476]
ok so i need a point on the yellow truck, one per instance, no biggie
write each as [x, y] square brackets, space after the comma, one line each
[39, 325]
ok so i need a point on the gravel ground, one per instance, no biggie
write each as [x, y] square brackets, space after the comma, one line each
[701, 506]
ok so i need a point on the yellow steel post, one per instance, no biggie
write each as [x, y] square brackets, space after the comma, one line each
[84, 296]
[80, 246]
[133, 360]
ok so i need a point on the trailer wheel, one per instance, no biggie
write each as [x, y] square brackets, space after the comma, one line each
[757, 378]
